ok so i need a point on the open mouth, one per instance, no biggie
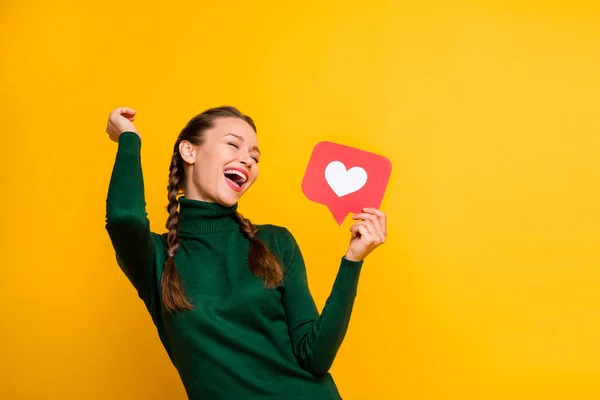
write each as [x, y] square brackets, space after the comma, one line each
[235, 178]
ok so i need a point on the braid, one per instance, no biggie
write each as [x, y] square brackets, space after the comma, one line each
[173, 296]
[263, 263]
[246, 227]
[172, 192]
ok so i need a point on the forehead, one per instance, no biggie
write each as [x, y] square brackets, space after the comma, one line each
[236, 126]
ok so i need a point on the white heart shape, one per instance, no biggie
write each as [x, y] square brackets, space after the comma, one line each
[342, 181]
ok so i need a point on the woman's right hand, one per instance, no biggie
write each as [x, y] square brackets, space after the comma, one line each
[121, 120]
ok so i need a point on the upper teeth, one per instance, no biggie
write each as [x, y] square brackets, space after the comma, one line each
[236, 172]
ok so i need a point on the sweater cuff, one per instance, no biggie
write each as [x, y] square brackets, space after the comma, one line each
[347, 278]
[129, 141]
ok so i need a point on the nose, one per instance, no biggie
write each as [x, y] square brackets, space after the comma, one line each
[247, 162]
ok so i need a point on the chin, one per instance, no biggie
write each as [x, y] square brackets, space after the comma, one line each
[229, 199]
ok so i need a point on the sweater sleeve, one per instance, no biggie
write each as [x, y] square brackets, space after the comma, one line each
[317, 338]
[126, 219]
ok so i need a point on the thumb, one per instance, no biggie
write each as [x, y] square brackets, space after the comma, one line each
[126, 111]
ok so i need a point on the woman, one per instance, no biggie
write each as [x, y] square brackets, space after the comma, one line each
[229, 299]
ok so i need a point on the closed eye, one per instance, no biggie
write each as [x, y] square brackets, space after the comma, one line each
[237, 147]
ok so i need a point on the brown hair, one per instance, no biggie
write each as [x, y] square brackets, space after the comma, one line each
[262, 262]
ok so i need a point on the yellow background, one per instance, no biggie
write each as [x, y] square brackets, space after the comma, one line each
[488, 287]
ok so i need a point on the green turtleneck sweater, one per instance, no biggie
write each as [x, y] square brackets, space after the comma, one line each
[241, 341]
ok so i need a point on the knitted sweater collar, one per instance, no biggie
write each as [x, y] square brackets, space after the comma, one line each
[204, 217]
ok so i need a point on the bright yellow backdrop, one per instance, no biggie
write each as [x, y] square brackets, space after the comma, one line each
[488, 287]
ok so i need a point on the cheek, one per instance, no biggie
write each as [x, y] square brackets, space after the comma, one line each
[206, 171]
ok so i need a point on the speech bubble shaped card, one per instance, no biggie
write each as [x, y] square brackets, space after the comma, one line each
[345, 179]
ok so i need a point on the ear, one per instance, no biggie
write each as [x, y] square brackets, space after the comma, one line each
[187, 151]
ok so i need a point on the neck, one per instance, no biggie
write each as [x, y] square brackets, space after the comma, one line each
[198, 216]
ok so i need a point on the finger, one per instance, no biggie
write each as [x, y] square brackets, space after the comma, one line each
[381, 215]
[362, 215]
[375, 236]
[367, 226]
[355, 229]
[376, 222]
[375, 211]
[364, 232]
[126, 111]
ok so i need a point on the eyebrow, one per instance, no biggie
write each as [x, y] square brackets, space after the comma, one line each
[241, 139]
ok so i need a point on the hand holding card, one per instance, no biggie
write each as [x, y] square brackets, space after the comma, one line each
[345, 179]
